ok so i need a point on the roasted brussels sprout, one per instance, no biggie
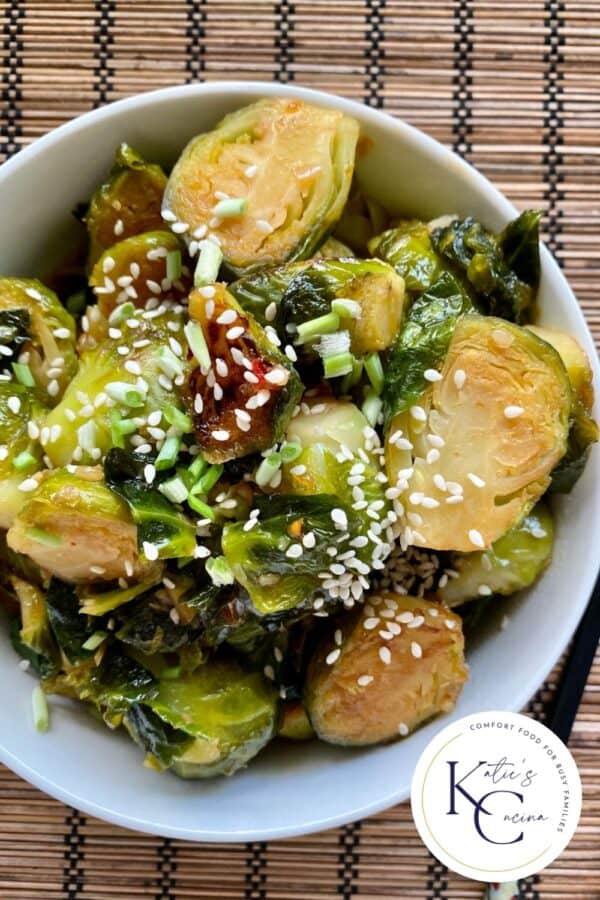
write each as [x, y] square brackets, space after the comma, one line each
[583, 431]
[291, 295]
[287, 167]
[476, 452]
[144, 267]
[211, 722]
[20, 455]
[73, 526]
[127, 203]
[244, 390]
[32, 637]
[409, 250]
[512, 563]
[40, 333]
[422, 344]
[333, 249]
[385, 670]
[362, 218]
[162, 531]
[121, 390]
[295, 723]
[503, 271]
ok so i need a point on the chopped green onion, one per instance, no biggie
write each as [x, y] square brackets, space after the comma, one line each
[267, 469]
[290, 451]
[338, 365]
[168, 363]
[197, 467]
[24, 460]
[326, 324]
[197, 341]
[120, 427]
[169, 452]
[174, 490]
[94, 641]
[374, 370]
[219, 571]
[208, 480]
[171, 673]
[209, 263]
[178, 419]
[372, 407]
[174, 265]
[124, 393]
[346, 308]
[76, 302]
[23, 374]
[202, 508]
[227, 209]
[121, 312]
[44, 537]
[353, 377]
[39, 705]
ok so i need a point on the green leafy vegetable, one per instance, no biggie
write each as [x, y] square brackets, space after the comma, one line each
[409, 250]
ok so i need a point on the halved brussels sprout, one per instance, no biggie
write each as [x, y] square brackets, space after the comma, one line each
[584, 431]
[74, 527]
[127, 203]
[503, 270]
[20, 456]
[295, 724]
[121, 390]
[474, 455]
[409, 250]
[282, 569]
[422, 344]
[333, 249]
[244, 391]
[210, 722]
[32, 638]
[362, 218]
[384, 671]
[290, 163]
[49, 347]
[301, 291]
[137, 270]
[512, 563]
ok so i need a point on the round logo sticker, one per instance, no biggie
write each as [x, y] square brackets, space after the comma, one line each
[496, 796]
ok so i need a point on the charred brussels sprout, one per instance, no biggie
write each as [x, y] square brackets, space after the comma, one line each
[135, 373]
[20, 456]
[74, 527]
[141, 268]
[370, 688]
[503, 270]
[287, 164]
[244, 390]
[409, 250]
[512, 563]
[210, 722]
[291, 295]
[31, 636]
[39, 332]
[497, 422]
[127, 203]
[583, 431]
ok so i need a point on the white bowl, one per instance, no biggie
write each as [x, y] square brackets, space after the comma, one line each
[289, 789]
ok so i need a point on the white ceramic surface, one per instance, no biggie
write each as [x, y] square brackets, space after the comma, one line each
[288, 789]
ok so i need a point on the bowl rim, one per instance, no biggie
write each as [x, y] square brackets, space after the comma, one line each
[464, 171]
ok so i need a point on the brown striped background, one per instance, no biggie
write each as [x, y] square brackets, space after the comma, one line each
[513, 85]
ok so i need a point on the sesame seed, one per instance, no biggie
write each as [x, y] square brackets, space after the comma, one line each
[198, 404]
[33, 431]
[33, 293]
[62, 333]
[484, 590]
[432, 456]
[339, 518]
[403, 444]
[364, 680]
[119, 227]
[227, 317]
[221, 367]
[371, 623]
[278, 375]
[108, 264]
[429, 503]
[220, 434]
[294, 551]
[30, 484]
[386, 635]
[291, 353]
[309, 540]
[513, 412]
[149, 473]
[476, 480]
[476, 538]
[416, 622]
[418, 413]
[133, 367]
[271, 311]
[337, 637]
[439, 481]
[450, 623]
[333, 657]
[179, 227]
[251, 378]
[460, 376]
[416, 650]
[233, 333]
[403, 729]
[298, 470]
[432, 375]
[385, 656]
[14, 404]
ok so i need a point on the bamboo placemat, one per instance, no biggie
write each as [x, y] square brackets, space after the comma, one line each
[513, 85]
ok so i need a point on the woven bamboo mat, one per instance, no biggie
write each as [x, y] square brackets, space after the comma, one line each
[513, 85]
